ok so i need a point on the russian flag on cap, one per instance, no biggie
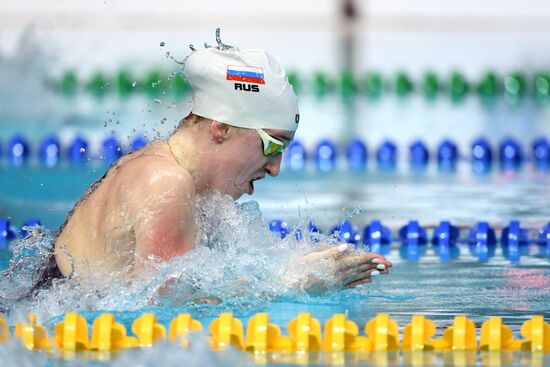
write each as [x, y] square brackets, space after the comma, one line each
[250, 74]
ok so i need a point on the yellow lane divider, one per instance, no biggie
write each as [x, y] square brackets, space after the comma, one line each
[181, 326]
[32, 335]
[4, 330]
[108, 335]
[339, 334]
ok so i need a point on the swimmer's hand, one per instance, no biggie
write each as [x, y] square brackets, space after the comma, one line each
[335, 268]
[175, 293]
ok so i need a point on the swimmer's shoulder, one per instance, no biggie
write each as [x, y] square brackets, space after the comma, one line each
[154, 168]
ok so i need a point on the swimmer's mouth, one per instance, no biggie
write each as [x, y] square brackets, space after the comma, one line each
[251, 184]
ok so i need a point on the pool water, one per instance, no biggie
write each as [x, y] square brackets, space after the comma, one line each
[393, 197]
[514, 290]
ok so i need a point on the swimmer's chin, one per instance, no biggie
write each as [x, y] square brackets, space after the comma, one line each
[241, 194]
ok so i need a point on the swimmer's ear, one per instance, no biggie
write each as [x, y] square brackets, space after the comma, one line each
[219, 131]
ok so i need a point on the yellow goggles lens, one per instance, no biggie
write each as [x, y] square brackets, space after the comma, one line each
[271, 145]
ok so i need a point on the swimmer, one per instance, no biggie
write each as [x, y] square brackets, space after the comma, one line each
[244, 115]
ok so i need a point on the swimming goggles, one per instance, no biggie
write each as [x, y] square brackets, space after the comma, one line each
[272, 146]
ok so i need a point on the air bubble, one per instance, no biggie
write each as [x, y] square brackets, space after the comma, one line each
[162, 44]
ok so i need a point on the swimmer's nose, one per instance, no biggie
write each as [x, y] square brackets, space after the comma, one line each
[273, 166]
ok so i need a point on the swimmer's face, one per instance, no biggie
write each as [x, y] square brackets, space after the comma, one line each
[245, 161]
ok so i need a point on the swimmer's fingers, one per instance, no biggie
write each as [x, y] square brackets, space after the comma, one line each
[360, 271]
[332, 252]
[352, 278]
[364, 277]
[362, 261]
[377, 259]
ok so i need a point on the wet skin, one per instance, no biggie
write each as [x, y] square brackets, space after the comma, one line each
[143, 207]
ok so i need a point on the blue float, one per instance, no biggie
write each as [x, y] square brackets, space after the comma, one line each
[482, 241]
[314, 232]
[413, 239]
[418, 155]
[514, 235]
[445, 234]
[447, 155]
[279, 226]
[413, 234]
[386, 156]
[296, 156]
[544, 240]
[7, 232]
[482, 156]
[18, 150]
[357, 154]
[541, 154]
[510, 155]
[377, 238]
[112, 150]
[139, 142]
[49, 151]
[325, 155]
[30, 223]
[444, 240]
[78, 151]
[514, 241]
[346, 232]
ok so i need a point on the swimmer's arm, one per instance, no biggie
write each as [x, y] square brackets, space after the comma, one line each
[165, 225]
[335, 267]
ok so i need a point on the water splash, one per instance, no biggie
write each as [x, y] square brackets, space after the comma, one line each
[237, 264]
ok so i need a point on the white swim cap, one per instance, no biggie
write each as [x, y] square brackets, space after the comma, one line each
[243, 88]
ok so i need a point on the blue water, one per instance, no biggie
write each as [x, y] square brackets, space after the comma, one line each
[514, 290]
[393, 197]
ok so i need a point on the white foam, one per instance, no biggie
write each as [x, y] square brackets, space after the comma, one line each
[237, 261]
